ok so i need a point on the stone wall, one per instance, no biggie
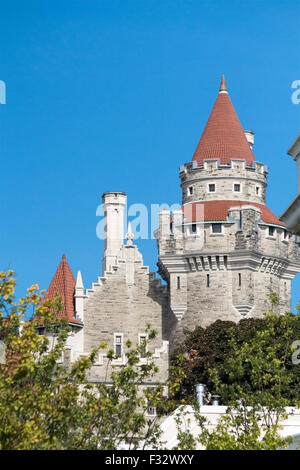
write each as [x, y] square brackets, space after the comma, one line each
[252, 180]
[115, 306]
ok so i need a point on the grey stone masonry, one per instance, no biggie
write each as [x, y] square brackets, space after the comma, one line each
[119, 307]
[196, 181]
[227, 275]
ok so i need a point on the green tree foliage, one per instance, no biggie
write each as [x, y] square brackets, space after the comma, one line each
[44, 405]
[256, 379]
[209, 348]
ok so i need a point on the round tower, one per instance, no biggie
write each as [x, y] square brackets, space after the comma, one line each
[113, 206]
[226, 252]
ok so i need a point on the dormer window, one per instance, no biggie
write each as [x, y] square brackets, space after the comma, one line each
[212, 188]
[237, 188]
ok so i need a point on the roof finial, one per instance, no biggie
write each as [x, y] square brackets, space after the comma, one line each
[129, 235]
[79, 283]
[223, 87]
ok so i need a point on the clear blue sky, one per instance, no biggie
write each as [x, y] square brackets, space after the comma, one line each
[113, 95]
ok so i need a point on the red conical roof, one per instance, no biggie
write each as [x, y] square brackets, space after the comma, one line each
[223, 136]
[63, 284]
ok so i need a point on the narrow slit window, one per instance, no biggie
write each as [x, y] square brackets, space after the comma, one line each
[240, 279]
[142, 344]
[178, 282]
[118, 345]
[191, 190]
[207, 280]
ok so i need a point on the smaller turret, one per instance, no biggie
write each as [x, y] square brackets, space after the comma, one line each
[113, 205]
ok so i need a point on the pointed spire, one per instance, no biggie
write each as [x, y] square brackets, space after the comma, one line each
[63, 284]
[223, 87]
[129, 235]
[79, 283]
[223, 137]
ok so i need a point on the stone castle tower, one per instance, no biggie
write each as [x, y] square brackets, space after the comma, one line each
[225, 252]
[222, 254]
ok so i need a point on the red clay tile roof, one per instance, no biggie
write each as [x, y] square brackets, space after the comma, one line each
[63, 284]
[218, 211]
[223, 136]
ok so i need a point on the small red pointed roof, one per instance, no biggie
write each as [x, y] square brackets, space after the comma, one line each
[63, 284]
[223, 136]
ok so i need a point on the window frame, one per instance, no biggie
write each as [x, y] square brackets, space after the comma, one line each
[143, 336]
[273, 236]
[237, 184]
[193, 226]
[208, 187]
[214, 224]
[117, 335]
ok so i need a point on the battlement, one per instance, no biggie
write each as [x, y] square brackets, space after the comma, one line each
[234, 164]
[214, 180]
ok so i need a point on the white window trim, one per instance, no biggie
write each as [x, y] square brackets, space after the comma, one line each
[286, 239]
[211, 192]
[216, 234]
[189, 232]
[120, 359]
[241, 187]
[143, 335]
[271, 237]
[153, 407]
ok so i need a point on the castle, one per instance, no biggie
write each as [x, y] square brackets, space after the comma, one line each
[221, 255]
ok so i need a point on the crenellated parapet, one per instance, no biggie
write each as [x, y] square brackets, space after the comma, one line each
[214, 180]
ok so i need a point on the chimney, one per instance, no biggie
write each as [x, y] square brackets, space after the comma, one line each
[250, 137]
[200, 391]
[215, 400]
[113, 205]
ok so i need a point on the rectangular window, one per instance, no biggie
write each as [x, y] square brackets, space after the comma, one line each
[271, 232]
[237, 188]
[207, 280]
[240, 279]
[194, 228]
[191, 190]
[142, 345]
[151, 410]
[257, 190]
[212, 188]
[118, 345]
[178, 282]
[216, 228]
